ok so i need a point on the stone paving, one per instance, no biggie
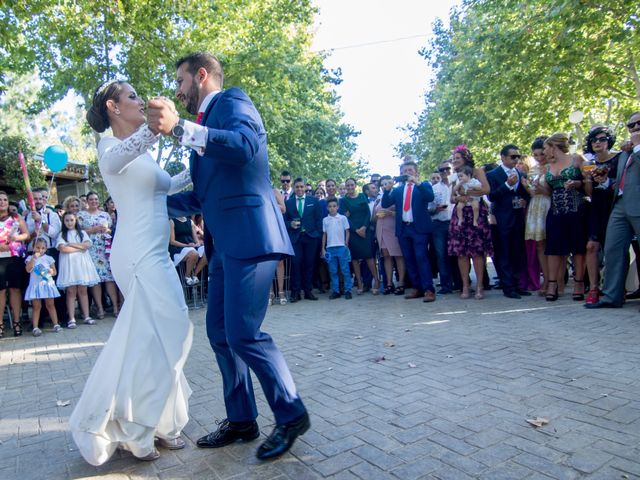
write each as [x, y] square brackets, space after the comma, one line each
[396, 389]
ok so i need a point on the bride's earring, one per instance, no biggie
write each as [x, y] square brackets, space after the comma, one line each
[117, 112]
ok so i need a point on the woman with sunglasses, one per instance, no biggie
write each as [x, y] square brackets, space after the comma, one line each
[598, 143]
[567, 217]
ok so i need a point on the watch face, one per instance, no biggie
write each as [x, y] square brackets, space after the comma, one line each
[178, 130]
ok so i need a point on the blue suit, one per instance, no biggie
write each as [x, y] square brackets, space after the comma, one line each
[414, 237]
[231, 188]
[305, 240]
[508, 238]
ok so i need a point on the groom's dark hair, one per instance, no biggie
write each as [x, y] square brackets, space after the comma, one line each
[204, 60]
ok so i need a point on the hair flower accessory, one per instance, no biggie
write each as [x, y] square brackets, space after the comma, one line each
[461, 148]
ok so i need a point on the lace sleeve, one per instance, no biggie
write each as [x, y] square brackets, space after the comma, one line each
[180, 181]
[114, 155]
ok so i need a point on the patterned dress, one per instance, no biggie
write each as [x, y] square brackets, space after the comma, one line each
[567, 217]
[536, 226]
[465, 240]
[100, 242]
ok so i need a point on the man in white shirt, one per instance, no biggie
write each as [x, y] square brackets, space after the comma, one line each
[440, 210]
[42, 223]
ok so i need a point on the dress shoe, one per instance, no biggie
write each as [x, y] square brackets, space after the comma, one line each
[414, 293]
[511, 294]
[523, 293]
[348, 296]
[295, 298]
[283, 437]
[228, 433]
[633, 295]
[429, 296]
[445, 291]
[602, 304]
[310, 296]
[334, 295]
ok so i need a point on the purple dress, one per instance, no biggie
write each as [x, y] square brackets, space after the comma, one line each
[465, 240]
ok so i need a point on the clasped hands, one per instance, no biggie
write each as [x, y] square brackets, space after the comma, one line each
[162, 115]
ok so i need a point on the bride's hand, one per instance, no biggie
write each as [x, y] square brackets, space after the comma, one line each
[161, 115]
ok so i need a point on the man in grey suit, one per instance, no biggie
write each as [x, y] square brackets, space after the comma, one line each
[624, 221]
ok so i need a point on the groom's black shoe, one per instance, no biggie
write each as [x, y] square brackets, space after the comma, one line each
[283, 437]
[228, 433]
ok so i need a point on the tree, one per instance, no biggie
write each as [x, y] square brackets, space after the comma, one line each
[10, 167]
[510, 70]
[264, 46]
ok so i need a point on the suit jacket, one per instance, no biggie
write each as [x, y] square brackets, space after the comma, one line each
[231, 184]
[311, 220]
[420, 198]
[501, 198]
[631, 183]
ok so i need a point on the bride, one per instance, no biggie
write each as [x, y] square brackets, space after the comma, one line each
[136, 393]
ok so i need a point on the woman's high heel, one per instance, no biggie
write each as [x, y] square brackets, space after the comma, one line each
[17, 329]
[552, 297]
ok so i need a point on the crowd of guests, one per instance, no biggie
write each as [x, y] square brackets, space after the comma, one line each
[543, 219]
[45, 250]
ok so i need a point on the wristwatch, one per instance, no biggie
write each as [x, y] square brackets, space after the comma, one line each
[178, 130]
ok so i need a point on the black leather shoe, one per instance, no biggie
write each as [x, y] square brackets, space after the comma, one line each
[310, 296]
[523, 293]
[334, 295]
[633, 295]
[445, 291]
[602, 304]
[283, 437]
[229, 433]
[510, 294]
[294, 298]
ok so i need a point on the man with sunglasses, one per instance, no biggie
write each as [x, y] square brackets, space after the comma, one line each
[509, 199]
[285, 182]
[624, 221]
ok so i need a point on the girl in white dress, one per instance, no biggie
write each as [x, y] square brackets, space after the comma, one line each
[77, 271]
[136, 390]
[41, 269]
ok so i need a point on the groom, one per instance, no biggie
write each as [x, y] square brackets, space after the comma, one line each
[245, 239]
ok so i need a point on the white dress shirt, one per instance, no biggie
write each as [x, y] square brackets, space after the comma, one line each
[195, 136]
[408, 215]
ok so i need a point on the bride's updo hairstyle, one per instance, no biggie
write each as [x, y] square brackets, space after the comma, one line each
[97, 114]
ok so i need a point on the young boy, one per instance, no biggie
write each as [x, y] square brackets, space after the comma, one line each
[335, 239]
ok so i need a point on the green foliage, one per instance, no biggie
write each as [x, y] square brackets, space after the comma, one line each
[10, 166]
[264, 46]
[510, 70]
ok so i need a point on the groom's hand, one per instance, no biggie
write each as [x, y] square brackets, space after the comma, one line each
[161, 116]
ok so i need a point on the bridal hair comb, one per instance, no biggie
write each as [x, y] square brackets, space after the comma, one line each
[104, 86]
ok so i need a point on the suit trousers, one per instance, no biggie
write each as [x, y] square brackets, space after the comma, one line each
[509, 250]
[440, 237]
[303, 264]
[238, 298]
[414, 250]
[620, 231]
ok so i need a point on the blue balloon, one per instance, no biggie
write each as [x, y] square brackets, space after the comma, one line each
[56, 158]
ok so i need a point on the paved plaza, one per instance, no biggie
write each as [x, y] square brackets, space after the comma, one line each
[396, 389]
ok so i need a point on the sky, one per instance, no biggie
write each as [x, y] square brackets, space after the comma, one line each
[383, 84]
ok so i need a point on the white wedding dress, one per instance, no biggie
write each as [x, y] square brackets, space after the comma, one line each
[136, 389]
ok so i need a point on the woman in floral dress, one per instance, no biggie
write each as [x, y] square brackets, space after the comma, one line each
[97, 224]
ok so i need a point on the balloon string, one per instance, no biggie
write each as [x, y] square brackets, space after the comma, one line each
[51, 182]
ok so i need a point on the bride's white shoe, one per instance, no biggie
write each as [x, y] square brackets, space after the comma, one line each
[171, 444]
[154, 455]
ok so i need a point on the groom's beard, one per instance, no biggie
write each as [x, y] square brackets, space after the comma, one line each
[193, 98]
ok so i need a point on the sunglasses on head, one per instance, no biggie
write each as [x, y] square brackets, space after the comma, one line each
[600, 139]
[631, 125]
[285, 181]
[515, 157]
